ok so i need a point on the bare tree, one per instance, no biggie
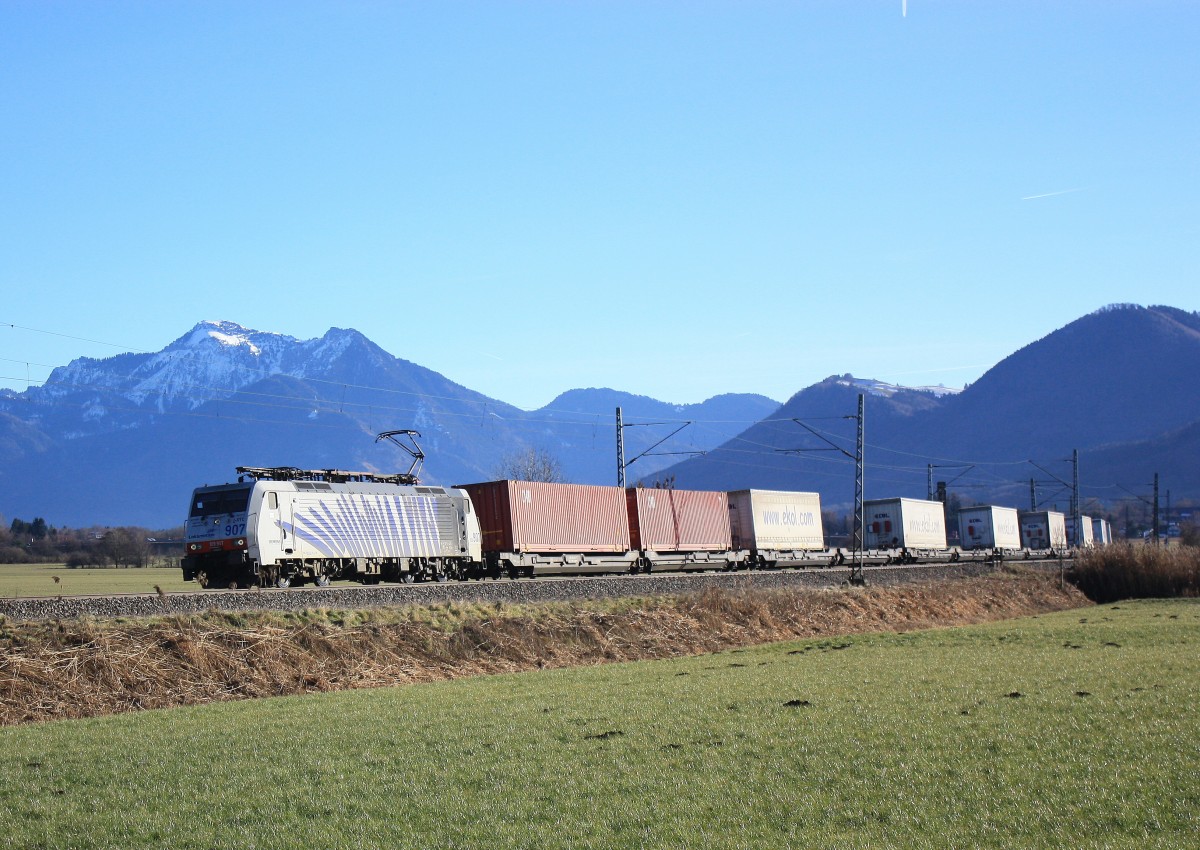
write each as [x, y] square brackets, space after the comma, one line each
[126, 547]
[530, 464]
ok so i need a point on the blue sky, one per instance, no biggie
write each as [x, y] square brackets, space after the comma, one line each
[674, 199]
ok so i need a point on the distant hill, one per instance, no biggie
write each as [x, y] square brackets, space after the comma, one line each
[1120, 374]
[1118, 384]
[584, 424]
[1173, 456]
[780, 454]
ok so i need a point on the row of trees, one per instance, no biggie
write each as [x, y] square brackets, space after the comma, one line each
[35, 541]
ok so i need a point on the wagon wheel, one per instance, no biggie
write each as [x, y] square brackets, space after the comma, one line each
[283, 581]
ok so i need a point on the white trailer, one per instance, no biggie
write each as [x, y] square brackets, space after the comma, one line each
[1043, 531]
[1083, 539]
[904, 524]
[989, 527]
[1101, 531]
[776, 525]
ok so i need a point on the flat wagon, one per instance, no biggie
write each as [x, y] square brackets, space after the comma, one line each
[531, 527]
[989, 527]
[908, 524]
[681, 529]
[1043, 531]
[777, 526]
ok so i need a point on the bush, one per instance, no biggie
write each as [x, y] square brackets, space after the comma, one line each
[80, 559]
[1124, 571]
[14, 555]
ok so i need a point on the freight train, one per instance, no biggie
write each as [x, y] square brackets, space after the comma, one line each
[278, 527]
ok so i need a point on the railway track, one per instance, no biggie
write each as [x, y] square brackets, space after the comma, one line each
[558, 589]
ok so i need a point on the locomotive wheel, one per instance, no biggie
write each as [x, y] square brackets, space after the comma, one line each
[408, 578]
[233, 584]
[202, 578]
[283, 581]
[322, 580]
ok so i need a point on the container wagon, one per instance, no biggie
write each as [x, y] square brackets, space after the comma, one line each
[905, 524]
[989, 527]
[1043, 531]
[681, 529]
[1101, 531]
[776, 526]
[531, 527]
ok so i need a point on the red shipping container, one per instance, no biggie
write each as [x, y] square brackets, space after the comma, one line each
[534, 516]
[678, 520]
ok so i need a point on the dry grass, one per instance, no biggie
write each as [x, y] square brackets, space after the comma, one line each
[89, 668]
[1122, 571]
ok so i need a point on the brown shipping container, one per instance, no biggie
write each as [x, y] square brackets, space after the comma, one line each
[533, 516]
[678, 520]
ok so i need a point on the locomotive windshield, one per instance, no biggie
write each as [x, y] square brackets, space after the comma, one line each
[218, 502]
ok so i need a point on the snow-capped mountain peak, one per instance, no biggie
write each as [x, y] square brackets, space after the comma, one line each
[883, 389]
[228, 334]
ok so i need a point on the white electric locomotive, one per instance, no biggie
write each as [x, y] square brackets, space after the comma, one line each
[282, 526]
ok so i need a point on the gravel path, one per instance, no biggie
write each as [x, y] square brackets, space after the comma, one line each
[513, 591]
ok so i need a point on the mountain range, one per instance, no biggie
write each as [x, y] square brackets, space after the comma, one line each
[1119, 385]
[123, 440]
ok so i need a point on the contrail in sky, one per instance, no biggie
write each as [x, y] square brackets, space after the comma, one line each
[1052, 194]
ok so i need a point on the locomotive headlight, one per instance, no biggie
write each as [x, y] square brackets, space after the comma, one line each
[193, 547]
[239, 542]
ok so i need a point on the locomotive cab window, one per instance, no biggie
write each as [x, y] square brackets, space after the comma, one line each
[220, 502]
[273, 500]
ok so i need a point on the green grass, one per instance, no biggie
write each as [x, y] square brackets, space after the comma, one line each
[38, 580]
[1077, 729]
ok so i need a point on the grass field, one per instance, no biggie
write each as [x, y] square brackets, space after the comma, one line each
[38, 580]
[1077, 729]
